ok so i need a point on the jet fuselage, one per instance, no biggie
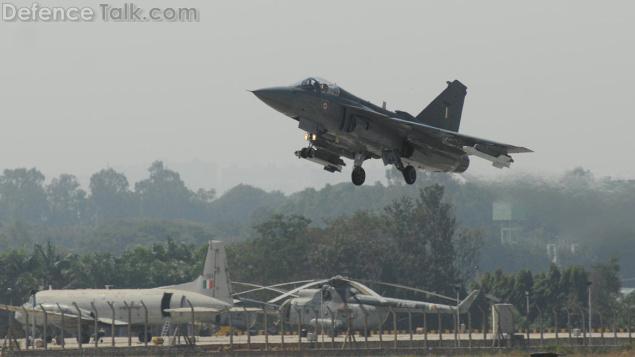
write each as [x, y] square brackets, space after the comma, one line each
[325, 113]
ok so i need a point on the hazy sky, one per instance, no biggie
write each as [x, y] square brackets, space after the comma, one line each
[555, 76]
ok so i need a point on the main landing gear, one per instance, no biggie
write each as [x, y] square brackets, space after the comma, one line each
[392, 157]
[358, 176]
[84, 338]
[145, 338]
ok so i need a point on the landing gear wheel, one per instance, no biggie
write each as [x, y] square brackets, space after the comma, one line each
[358, 176]
[409, 174]
[143, 338]
[84, 339]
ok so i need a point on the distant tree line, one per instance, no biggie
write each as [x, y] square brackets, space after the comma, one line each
[25, 197]
[584, 218]
[559, 292]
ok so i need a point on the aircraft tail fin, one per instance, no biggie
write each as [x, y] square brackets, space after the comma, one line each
[216, 269]
[445, 110]
[214, 281]
[464, 305]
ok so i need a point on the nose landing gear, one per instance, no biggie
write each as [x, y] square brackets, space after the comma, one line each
[409, 174]
[358, 176]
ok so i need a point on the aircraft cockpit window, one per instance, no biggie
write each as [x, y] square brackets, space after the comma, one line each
[329, 88]
[320, 85]
[309, 83]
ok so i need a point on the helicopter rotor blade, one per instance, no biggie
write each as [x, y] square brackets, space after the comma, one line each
[267, 287]
[493, 298]
[258, 302]
[399, 286]
[292, 292]
[257, 288]
[361, 305]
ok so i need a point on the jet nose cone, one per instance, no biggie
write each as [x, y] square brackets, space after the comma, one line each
[279, 98]
[270, 94]
[262, 93]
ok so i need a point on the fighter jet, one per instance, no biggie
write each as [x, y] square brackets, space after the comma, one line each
[339, 124]
[341, 304]
[208, 297]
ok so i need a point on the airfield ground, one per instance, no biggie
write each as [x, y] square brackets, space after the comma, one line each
[404, 346]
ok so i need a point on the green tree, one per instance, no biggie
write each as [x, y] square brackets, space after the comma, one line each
[18, 276]
[574, 286]
[67, 201]
[54, 268]
[547, 292]
[278, 253]
[356, 247]
[22, 196]
[424, 232]
[467, 245]
[94, 270]
[163, 194]
[606, 285]
[110, 195]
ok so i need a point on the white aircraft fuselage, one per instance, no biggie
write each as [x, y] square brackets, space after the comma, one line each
[97, 302]
[204, 299]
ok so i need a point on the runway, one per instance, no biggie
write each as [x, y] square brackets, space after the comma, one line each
[387, 341]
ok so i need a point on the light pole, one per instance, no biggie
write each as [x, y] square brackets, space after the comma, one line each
[590, 312]
[457, 318]
[527, 302]
[11, 315]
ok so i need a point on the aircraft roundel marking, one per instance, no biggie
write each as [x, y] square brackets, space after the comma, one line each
[325, 105]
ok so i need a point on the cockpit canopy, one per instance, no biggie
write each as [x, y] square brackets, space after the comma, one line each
[319, 85]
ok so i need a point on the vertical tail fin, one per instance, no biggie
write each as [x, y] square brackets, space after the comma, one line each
[214, 281]
[445, 110]
[464, 305]
[215, 272]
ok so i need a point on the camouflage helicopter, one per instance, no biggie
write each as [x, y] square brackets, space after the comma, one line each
[341, 304]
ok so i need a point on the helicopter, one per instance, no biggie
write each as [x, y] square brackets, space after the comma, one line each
[340, 304]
